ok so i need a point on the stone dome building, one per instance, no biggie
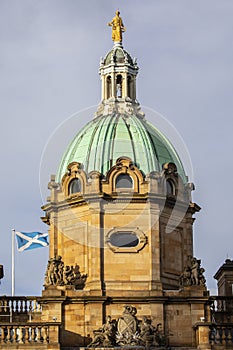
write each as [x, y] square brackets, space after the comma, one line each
[120, 219]
[121, 271]
[119, 127]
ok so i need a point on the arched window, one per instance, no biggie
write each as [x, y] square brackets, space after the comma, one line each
[130, 86]
[109, 87]
[170, 188]
[75, 186]
[124, 181]
[119, 86]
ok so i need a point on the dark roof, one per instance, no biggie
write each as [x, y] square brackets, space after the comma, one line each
[227, 266]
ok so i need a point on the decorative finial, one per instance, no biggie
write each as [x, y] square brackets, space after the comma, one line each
[117, 27]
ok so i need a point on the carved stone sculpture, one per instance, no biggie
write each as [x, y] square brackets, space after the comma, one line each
[105, 335]
[128, 331]
[127, 327]
[147, 331]
[57, 274]
[193, 274]
[159, 335]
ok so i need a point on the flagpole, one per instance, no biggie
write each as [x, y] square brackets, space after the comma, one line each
[13, 264]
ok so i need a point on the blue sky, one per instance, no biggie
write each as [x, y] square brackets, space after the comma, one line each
[50, 51]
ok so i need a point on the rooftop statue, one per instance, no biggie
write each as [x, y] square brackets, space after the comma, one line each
[117, 27]
[59, 274]
[193, 274]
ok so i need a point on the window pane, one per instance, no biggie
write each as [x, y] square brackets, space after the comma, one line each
[124, 181]
[170, 187]
[75, 186]
[124, 239]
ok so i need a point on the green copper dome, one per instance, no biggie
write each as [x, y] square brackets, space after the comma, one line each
[118, 55]
[108, 137]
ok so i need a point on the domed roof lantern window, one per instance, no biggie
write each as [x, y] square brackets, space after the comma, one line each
[118, 70]
[119, 128]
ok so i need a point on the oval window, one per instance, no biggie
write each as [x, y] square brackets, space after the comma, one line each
[124, 239]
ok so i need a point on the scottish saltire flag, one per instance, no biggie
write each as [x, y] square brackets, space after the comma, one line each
[31, 240]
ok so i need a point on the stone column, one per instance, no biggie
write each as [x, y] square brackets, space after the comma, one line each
[51, 302]
[53, 338]
[202, 336]
[113, 86]
[94, 281]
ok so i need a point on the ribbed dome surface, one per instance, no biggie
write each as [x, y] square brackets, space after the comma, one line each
[118, 55]
[108, 137]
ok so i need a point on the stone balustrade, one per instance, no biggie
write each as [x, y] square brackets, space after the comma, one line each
[210, 335]
[221, 309]
[221, 335]
[33, 334]
[24, 334]
[216, 329]
[19, 304]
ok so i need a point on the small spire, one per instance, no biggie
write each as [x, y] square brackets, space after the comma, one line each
[117, 28]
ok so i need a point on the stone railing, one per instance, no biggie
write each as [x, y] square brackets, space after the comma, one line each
[20, 304]
[10, 307]
[210, 335]
[221, 334]
[221, 309]
[33, 334]
[216, 328]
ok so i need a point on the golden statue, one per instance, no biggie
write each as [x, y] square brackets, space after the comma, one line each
[117, 27]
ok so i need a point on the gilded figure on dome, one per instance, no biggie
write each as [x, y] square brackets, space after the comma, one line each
[117, 27]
